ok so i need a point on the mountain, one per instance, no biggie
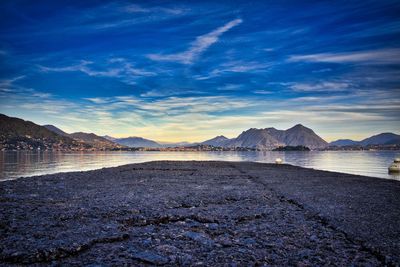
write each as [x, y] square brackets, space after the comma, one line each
[255, 138]
[216, 141]
[300, 135]
[270, 138]
[16, 133]
[178, 144]
[55, 129]
[382, 139]
[94, 140]
[133, 141]
[344, 142]
[379, 139]
[137, 142]
[90, 139]
[110, 138]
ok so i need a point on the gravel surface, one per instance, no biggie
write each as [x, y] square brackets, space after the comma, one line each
[200, 213]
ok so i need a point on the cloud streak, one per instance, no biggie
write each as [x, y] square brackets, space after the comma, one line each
[133, 8]
[320, 87]
[235, 67]
[82, 67]
[197, 47]
[123, 70]
[382, 56]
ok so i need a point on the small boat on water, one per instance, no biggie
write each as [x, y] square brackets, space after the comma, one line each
[395, 166]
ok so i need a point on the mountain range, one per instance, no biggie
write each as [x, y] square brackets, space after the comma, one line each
[16, 133]
[220, 140]
[270, 138]
[379, 139]
[134, 141]
[90, 139]
[263, 139]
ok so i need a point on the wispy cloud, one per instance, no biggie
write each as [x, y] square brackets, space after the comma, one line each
[230, 87]
[241, 66]
[123, 69]
[9, 82]
[269, 49]
[98, 100]
[170, 92]
[197, 47]
[382, 56]
[322, 70]
[82, 67]
[134, 8]
[235, 67]
[115, 15]
[320, 86]
[263, 92]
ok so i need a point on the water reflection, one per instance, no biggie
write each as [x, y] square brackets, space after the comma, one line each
[15, 164]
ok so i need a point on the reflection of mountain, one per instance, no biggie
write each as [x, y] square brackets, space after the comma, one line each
[379, 139]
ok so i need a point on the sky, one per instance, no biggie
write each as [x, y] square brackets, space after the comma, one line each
[192, 70]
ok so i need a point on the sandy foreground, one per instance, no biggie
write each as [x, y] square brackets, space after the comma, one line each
[200, 213]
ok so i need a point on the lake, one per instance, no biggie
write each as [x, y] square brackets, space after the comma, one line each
[14, 164]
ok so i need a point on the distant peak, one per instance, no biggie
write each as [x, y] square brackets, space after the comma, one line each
[253, 129]
[387, 133]
[299, 127]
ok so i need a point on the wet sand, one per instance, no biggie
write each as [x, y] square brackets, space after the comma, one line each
[200, 213]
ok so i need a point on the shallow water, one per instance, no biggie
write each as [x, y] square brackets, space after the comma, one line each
[14, 164]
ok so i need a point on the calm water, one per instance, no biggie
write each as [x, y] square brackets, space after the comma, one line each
[14, 164]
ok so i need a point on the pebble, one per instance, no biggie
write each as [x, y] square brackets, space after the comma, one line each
[149, 257]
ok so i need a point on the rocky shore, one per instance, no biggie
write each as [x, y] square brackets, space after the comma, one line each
[200, 213]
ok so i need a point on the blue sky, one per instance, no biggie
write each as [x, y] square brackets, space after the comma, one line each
[191, 70]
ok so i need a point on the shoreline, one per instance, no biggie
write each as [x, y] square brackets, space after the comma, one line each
[222, 161]
[200, 212]
[195, 149]
[377, 165]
